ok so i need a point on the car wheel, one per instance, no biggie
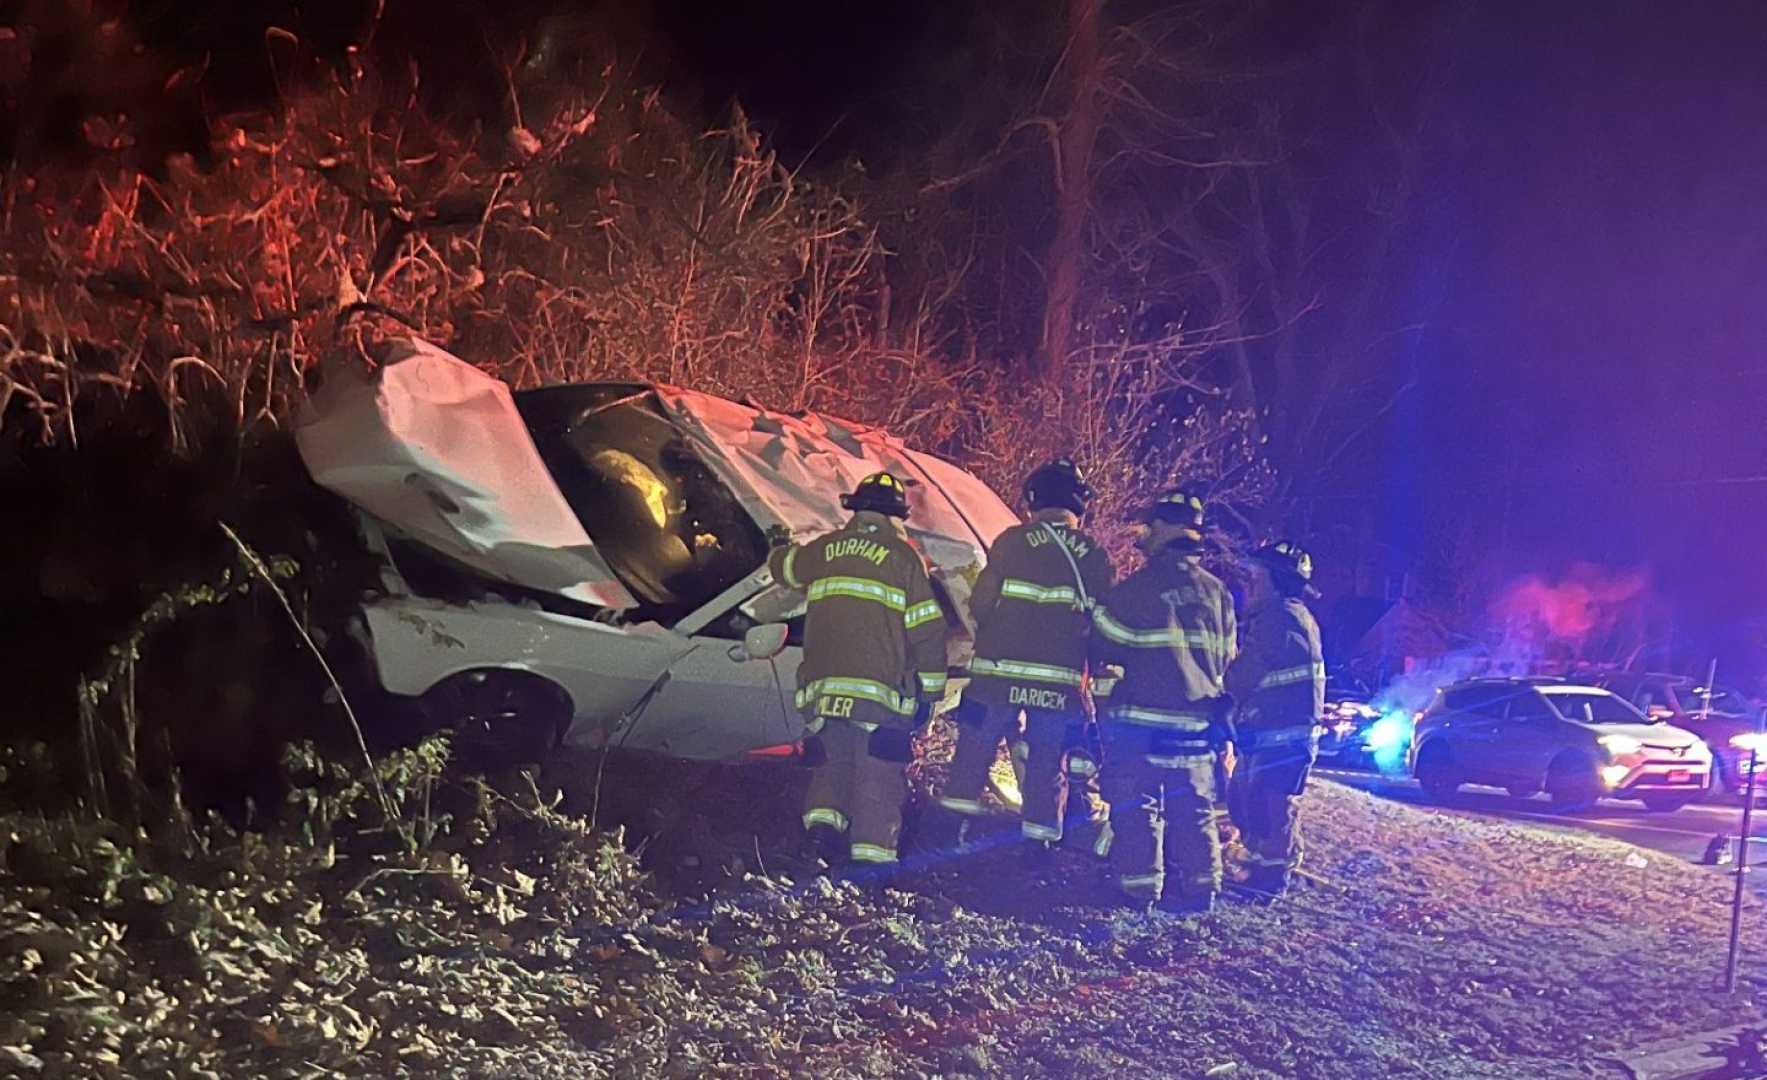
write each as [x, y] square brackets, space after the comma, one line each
[1666, 803]
[499, 717]
[1436, 773]
[1572, 783]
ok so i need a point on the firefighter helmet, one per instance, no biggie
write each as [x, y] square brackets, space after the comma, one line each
[881, 493]
[1182, 507]
[1290, 566]
[1176, 506]
[1060, 484]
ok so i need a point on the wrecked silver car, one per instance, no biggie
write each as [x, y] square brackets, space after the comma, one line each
[587, 563]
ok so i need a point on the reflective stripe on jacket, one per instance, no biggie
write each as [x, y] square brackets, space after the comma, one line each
[874, 636]
[1170, 627]
[1278, 682]
[1032, 616]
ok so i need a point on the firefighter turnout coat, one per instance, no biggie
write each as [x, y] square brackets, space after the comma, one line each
[1170, 627]
[1033, 610]
[1278, 685]
[874, 648]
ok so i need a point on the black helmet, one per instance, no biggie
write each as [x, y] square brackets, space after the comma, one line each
[1184, 508]
[1060, 484]
[1176, 506]
[1290, 566]
[881, 493]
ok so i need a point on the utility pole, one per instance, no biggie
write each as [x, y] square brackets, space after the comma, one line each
[1742, 864]
[1743, 844]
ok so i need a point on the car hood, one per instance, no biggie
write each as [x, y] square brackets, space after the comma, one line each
[1654, 734]
[437, 448]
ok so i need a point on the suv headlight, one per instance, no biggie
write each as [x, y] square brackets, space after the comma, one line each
[1620, 745]
[1750, 740]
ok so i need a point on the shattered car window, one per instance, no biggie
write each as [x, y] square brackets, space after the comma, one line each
[667, 526]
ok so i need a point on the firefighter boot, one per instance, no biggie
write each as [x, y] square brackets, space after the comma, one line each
[947, 831]
[824, 847]
[1186, 904]
[873, 880]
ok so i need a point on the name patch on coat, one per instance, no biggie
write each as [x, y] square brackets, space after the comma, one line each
[1034, 698]
[856, 547]
[1074, 544]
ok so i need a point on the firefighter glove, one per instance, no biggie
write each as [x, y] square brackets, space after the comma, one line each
[970, 713]
[778, 536]
[1221, 727]
[891, 744]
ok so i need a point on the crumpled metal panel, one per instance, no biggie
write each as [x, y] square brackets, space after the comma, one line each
[435, 447]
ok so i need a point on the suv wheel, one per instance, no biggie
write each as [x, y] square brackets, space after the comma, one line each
[1436, 772]
[500, 717]
[1572, 783]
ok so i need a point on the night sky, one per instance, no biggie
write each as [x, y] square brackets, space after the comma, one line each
[1590, 273]
[1594, 274]
[1604, 336]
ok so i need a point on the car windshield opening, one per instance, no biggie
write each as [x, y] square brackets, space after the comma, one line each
[672, 532]
[1594, 709]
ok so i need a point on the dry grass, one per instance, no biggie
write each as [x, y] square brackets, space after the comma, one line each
[517, 943]
[597, 236]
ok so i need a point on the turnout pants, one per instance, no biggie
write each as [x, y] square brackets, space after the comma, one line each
[1054, 745]
[856, 792]
[1261, 800]
[1164, 841]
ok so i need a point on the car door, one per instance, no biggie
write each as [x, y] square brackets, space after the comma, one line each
[1526, 739]
[713, 702]
[1477, 731]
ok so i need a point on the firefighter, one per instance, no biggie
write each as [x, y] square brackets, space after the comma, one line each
[1170, 628]
[1279, 685]
[874, 662]
[1033, 609]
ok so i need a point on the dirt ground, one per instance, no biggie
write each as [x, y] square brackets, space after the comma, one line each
[517, 941]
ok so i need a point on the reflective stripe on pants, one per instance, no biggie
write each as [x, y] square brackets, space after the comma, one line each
[865, 791]
[1045, 787]
[1164, 839]
[1261, 798]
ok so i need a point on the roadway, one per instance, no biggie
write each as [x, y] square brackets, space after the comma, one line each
[1683, 834]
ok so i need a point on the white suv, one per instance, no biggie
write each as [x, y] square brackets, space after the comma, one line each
[1576, 743]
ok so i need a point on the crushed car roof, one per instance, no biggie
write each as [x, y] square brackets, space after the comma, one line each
[438, 449]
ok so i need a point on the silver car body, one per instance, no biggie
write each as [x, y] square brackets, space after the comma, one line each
[436, 453]
[1509, 733]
